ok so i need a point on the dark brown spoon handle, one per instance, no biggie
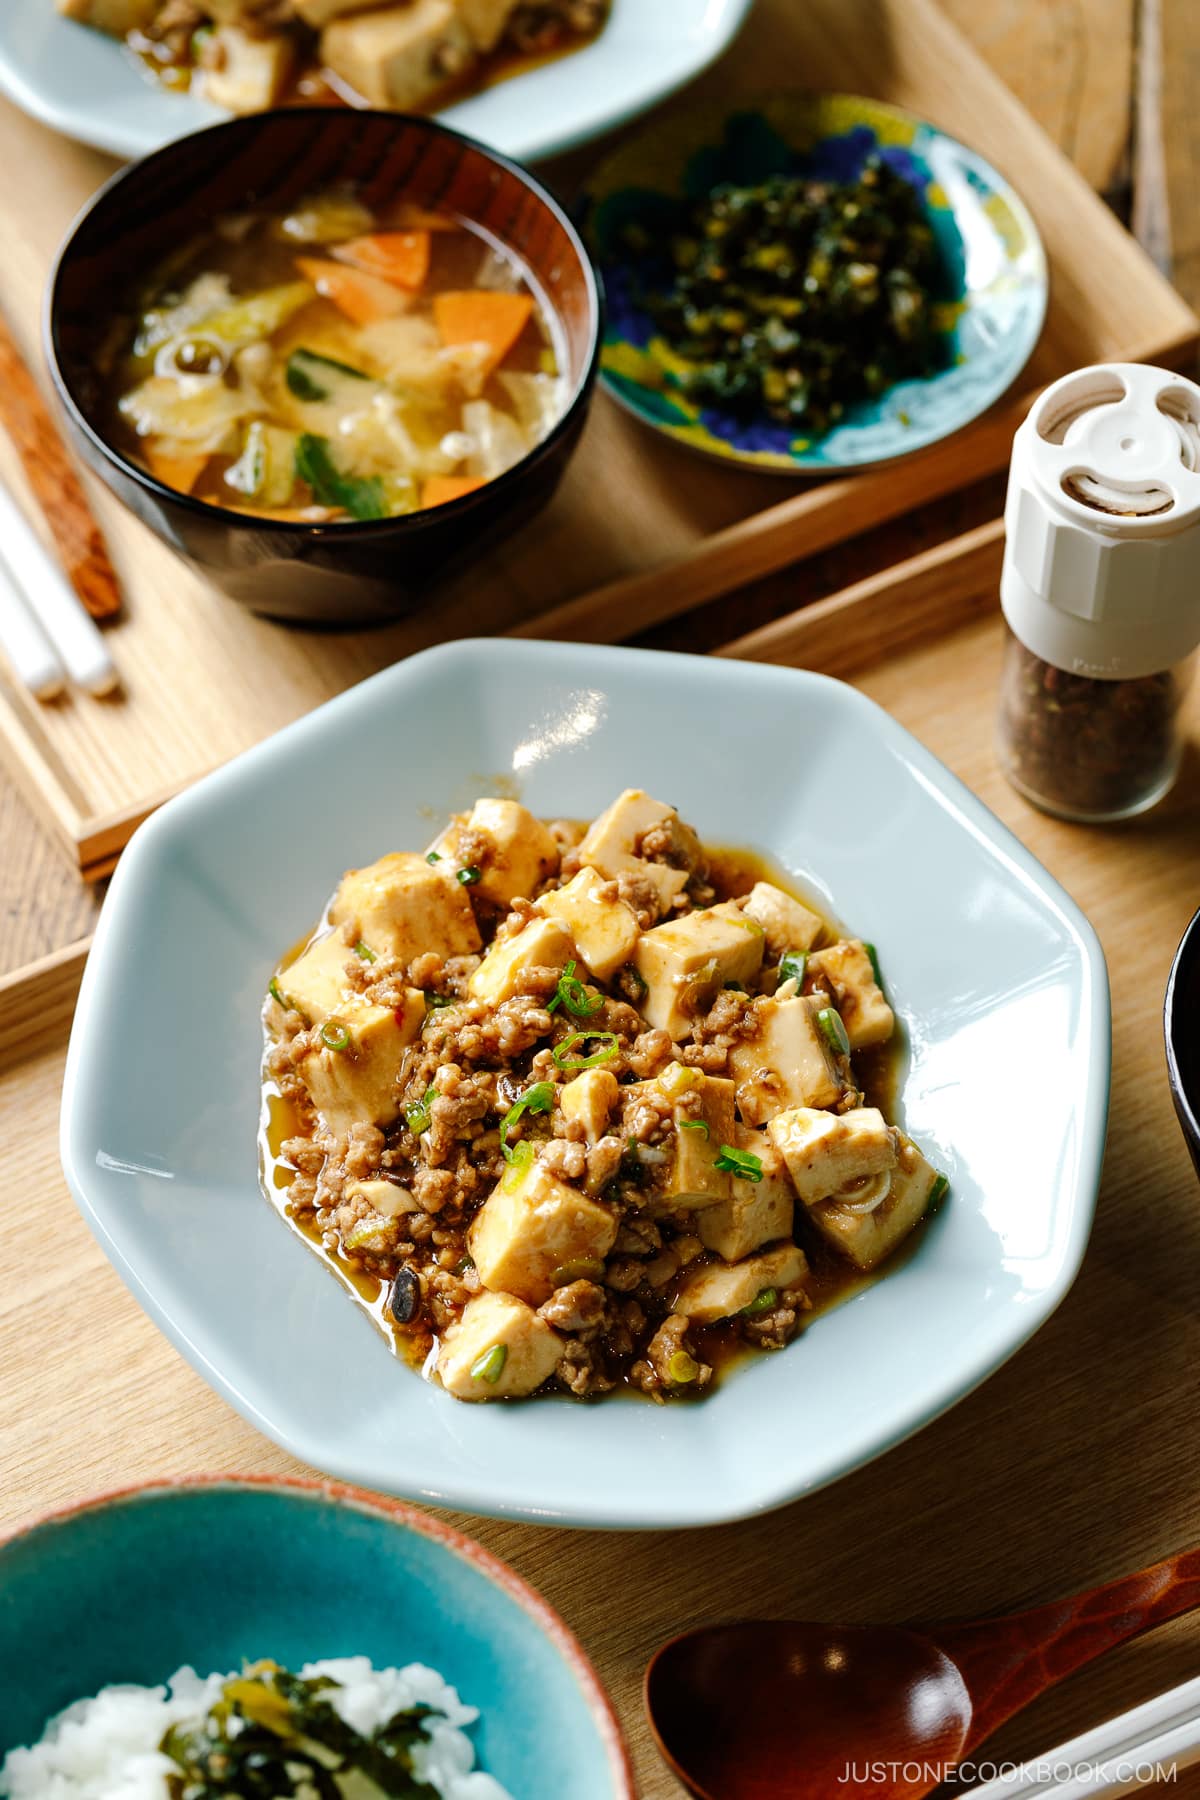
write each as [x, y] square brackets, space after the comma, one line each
[1007, 1662]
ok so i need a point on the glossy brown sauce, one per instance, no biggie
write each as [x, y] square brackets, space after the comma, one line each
[313, 85]
[831, 1280]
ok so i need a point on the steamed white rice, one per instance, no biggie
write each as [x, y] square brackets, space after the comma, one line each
[107, 1748]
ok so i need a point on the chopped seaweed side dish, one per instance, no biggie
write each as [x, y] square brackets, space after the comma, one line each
[275, 1734]
[798, 297]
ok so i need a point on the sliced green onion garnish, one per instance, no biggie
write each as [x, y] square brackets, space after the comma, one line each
[634, 976]
[365, 951]
[565, 1061]
[792, 967]
[834, 1032]
[276, 993]
[682, 1368]
[572, 994]
[536, 1099]
[939, 1190]
[874, 956]
[693, 1125]
[490, 1366]
[469, 876]
[750, 925]
[334, 1035]
[763, 1302]
[432, 856]
[435, 1002]
[417, 1116]
[742, 1163]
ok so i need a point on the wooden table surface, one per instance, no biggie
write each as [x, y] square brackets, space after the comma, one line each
[985, 1512]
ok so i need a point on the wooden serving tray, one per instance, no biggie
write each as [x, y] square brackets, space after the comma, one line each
[642, 529]
[1074, 1463]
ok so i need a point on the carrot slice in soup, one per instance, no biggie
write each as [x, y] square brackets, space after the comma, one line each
[363, 298]
[178, 472]
[440, 488]
[483, 317]
[399, 257]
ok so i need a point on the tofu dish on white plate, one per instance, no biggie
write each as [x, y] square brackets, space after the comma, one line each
[586, 1108]
[248, 55]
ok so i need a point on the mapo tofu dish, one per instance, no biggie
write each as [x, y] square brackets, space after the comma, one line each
[585, 1108]
[333, 363]
[411, 55]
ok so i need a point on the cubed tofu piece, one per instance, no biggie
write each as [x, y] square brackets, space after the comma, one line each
[786, 1062]
[867, 1238]
[758, 1213]
[355, 1083]
[512, 850]
[486, 20]
[318, 13]
[604, 928]
[114, 16]
[316, 984]
[589, 1100]
[397, 56]
[684, 1167]
[491, 1323]
[829, 1153]
[788, 924]
[403, 906]
[686, 962]
[387, 1198]
[542, 944]
[848, 969]
[718, 1290]
[245, 72]
[531, 1228]
[612, 842]
[703, 1118]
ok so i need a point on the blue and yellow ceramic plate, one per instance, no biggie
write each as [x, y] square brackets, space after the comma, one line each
[996, 282]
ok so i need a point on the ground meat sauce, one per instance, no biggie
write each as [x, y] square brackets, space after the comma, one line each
[391, 1208]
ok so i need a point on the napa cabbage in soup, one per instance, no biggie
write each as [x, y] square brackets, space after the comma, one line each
[334, 363]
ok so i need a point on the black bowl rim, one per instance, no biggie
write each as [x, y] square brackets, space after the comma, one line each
[300, 530]
[1189, 949]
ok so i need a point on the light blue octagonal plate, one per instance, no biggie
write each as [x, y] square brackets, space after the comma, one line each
[983, 953]
[992, 309]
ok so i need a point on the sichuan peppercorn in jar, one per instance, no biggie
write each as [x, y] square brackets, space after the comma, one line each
[1101, 590]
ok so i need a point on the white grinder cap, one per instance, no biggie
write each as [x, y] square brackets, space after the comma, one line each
[1102, 551]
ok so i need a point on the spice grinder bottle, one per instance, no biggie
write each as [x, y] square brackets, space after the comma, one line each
[1101, 590]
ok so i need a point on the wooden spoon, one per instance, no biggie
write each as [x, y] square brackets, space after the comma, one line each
[777, 1710]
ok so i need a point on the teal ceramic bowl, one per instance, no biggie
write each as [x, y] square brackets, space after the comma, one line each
[991, 311]
[211, 1572]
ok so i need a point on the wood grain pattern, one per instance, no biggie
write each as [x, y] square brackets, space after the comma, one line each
[1071, 63]
[1076, 1462]
[37, 1002]
[56, 483]
[204, 679]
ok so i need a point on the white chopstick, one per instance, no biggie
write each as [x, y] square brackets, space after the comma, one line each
[1117, 1757]
[34, 660]
[51, 598]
